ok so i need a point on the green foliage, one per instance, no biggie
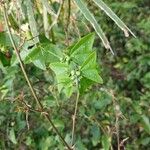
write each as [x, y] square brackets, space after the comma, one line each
[93, 21]
[44, 53]
[77, 67]
[58, 67]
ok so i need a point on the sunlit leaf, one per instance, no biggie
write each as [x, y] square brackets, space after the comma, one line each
[48, 7]
[95, 131]
[146, 123]
[64, 82]
[106, 142]
[89, 16]
[12, 136]
[44, 53]
[114, 17]
[89, 70]
[82, 49]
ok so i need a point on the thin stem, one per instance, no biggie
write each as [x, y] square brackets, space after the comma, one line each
[117, 115]
[74, 117]
[45, 21]
[52, 31]
[56, 17]
[28, 81]
[117, 133]
[69, 13]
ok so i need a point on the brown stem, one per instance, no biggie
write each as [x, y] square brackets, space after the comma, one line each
[74, 117]
[69, 13]
[28, 81]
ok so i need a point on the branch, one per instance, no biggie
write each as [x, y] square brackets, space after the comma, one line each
[74, 117]
[28, 81]
[57, 16]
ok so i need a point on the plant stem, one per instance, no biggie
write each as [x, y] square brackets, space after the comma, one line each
[74, 117]
[56, 17]
[45, 21]
[51, 31]
[69, 13]
[117, 115]
[28, 81]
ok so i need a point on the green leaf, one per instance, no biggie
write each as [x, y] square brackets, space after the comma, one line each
[21, 10]
[80, 145]
[95, 131]
[80, 51]
[59, 68]
[40, 64]
[113, 16]
[13, 22]
[5, 40]
[44, 53]
[93, 75]
[84, 84]
[82, 57]
[49, 52]
[45, 22]
[4, 60]
[28, 141]
[12, 136]
[68, 88]
[64, 82]
[85, 44]
[106, 142]
[48, 7]
[89, 16]
[103, 100]
[146, 80]
[59, 124]
[24, 53]
[89, 70]
[90, 62]
[146, 123]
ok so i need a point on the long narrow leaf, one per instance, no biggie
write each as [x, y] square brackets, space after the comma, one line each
[48, 8]
[45, 21]
[89, 16]
[114, 17]
[32, 22]
[20, 8]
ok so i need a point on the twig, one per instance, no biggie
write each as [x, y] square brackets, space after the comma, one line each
[69, 13]
[56, 17]
[74, 117]
[117, 116]
[76, 28]
[28, 81]
[27, 119]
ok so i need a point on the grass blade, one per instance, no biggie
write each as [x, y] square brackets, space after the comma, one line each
[114, 17]
[89, 16]
[45, 21]
[48, 7]
[20, 8]
[32, 22]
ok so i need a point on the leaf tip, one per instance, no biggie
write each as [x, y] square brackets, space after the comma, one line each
[127, 31]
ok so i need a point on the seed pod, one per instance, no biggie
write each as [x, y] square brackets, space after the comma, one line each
[72, 72]
[72, 78]
[77, 73]
[67, 58]
[61, 59]
[80, 78]
[79, 67]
